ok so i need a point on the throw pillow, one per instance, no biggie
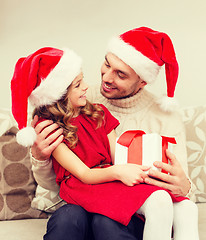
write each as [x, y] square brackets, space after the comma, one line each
[195, 124]
[17, 185]
[46, 200]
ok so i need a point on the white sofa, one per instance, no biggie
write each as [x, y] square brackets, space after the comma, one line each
[34, 229]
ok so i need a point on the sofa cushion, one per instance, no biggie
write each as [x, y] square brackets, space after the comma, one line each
[6, 121]
[17, 185]
[195, 124]
[47, 200]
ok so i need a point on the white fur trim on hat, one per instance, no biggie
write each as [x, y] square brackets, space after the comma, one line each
[167, 104]
[55, 85]
[26, 136]
[145, 68]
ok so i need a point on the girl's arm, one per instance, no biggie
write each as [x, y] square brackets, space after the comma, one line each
[129, 174]
[69, 160]
[112, 141]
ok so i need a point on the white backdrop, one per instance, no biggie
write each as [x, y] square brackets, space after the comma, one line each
[87, 25]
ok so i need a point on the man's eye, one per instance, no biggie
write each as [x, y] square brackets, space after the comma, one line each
[121, 75]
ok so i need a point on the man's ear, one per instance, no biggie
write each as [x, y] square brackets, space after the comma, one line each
[143, 83]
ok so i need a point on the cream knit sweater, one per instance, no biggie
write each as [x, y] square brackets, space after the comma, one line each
[137, 112]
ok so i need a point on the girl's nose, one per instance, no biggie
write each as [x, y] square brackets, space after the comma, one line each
[85, 86]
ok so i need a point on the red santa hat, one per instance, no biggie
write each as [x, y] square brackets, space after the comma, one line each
[42, 78]
[145, 51]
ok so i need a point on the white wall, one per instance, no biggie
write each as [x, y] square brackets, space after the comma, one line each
[87, 25]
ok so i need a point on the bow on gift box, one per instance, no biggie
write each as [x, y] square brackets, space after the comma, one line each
[144, 148]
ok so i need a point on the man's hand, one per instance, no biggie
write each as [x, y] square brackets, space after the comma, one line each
[44, 146]
[175, 181]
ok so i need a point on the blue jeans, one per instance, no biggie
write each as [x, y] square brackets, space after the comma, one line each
[72, 222]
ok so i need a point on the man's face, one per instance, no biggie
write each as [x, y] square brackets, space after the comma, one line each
[118, 79]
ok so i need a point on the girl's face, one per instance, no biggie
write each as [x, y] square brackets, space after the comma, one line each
[77, 92]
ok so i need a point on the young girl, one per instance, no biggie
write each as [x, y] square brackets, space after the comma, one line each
[83, 162]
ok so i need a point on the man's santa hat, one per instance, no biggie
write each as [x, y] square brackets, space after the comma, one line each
[145, 51]
[42, 78]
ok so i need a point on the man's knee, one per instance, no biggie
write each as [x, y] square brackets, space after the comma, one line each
[69, 220]
[106, 228]
[70, 215]
[100, 220]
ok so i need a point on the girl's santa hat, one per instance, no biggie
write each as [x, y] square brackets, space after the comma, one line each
[145, 51]
[43, 77]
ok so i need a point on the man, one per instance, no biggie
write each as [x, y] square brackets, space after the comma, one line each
[133, 60]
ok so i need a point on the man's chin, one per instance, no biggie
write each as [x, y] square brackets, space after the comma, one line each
[113, 96]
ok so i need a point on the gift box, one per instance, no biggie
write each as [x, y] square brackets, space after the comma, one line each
[135, 146]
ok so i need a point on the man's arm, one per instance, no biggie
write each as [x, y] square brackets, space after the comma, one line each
[42, 150]
[44, 174]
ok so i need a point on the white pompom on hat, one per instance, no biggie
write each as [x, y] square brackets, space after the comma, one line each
[42, 78]
[145, 51]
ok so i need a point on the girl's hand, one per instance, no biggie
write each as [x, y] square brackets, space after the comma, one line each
[131, 174]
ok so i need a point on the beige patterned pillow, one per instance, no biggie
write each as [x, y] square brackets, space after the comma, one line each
[46, 200]
[17, 185]
[195, 124]
[6, 121]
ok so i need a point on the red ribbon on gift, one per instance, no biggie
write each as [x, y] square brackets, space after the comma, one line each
[132, 139]
[165, 141]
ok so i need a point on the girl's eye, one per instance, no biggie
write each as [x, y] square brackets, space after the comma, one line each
[106, 64]
[77, 85]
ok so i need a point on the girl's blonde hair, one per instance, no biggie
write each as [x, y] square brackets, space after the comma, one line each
[62, 112]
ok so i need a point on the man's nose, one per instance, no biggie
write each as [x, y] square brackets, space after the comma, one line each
[108, 76]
